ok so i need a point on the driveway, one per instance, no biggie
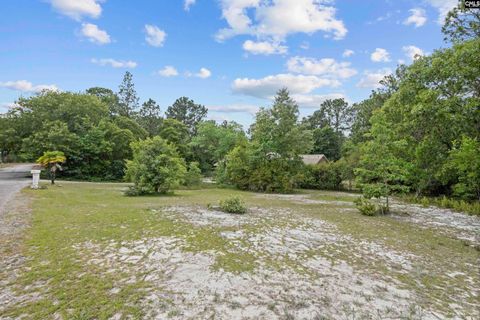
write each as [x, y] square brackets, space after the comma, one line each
[12, 180]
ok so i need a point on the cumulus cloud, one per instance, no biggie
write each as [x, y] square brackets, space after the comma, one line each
[412, 52]
[327, 67]
[187, 4]
[348, 53]
[155, 36]
[94, 34]
[277, 19]
[234, 108]
[442, 6]
[114, 63]
[27, 86]
[314, 100]
[264, 47]
[168, 71]
[380, 55]
[371, 79]
[76, 9]
[268, 86]
[417, 17]
[204, 73]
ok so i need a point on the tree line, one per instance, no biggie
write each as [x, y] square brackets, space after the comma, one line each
[419, 132]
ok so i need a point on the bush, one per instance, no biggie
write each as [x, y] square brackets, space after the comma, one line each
[156, 167]
[369, 208]
[323, 176]
[233, 205]
[248, 168]
[193, 177]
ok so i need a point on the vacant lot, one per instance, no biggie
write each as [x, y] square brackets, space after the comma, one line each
[92, 253]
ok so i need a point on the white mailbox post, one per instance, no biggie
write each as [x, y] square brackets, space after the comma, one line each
[35, 178]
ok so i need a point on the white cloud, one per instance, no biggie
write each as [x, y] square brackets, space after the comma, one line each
[204, 73]
[234, 108]
[155, 36]
[277, 19]
[114, 63]
[187, 4]
[348, 53]
[268, 86]
[168, 71]
[314, 100]
[27, 86]
[76, 9]
[380, 55]
[327, 67]
[94, 34]
[264, 47]
[411, 52]
[4, 107]
[442, 6]
[371, 79]
[417, 17]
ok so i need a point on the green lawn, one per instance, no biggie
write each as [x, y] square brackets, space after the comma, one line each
[74, 271]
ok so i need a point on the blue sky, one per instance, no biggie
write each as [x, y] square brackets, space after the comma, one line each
[230, 55]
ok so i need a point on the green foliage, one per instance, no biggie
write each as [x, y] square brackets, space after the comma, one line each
[193, 176]
[323, 176]
[270, 161]
[156, 167]
[127, 97]
[465, 161]
[368, 208]
[461, 25]
[327, 142]
[51, 158]
[149, 117]
[233, 205]
[213, 142]
[176, 133]
[470, 207]
[187, 112]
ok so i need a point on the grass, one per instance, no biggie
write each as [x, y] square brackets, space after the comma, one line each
[470, 207]
[72, 214]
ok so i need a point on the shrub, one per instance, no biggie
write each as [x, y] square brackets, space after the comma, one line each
[193, 177]
[369, 208]
[156, 167]
[233, 205]
[323, 176]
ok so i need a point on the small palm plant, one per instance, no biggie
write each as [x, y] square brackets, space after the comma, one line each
[51, 160]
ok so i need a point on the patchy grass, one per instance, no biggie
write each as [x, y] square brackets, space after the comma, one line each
[76, 225]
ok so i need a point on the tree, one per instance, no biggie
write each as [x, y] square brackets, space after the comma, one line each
[277, 129]
[382, 172]
[465, 160]
[52, 160]
[176, 133]
[462, 24]
[149, 117]
[213, 142]
[336, 113]
[128, 100]
[188, 112]
[270, 162]
[156, 167]
[108, 97]
[327, 142]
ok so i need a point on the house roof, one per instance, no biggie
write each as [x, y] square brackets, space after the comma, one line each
[313, 158]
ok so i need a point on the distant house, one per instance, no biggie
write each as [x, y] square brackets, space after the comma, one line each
[313, 158]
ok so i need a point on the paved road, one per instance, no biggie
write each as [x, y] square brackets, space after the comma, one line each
[12, 180]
